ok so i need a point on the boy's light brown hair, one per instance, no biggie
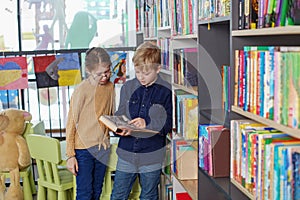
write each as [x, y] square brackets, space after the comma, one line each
[147, 56]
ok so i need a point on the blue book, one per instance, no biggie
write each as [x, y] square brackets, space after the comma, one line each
[179, 114]
[296, 174]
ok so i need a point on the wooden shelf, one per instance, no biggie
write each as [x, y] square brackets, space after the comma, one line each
[184, 37]
[283, 30]
[215, 20]
[192, 90]
[241, 188]
[164, 28]
[291, 131]
[164, 32]
[191, 186]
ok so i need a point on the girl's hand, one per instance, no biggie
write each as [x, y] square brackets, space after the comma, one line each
[125, 131]
[138, 122]
[72, 165]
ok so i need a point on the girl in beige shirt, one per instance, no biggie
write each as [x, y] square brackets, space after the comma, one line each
[88, 139]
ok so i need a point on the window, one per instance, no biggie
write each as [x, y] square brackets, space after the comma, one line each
[66, 24]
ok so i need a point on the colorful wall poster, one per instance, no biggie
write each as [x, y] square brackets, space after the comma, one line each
[13, 73]
[118, 67]
[57, 70]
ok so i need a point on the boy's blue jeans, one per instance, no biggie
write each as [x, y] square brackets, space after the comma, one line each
[91, 172]
[149, 177]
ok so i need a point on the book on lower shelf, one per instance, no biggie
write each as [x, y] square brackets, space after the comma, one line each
[118, 123]
[214, 149]
[183, 196]
[184, 159]
[262, 161]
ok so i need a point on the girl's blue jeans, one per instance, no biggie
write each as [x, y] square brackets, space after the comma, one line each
[149, 177]
[91, 171]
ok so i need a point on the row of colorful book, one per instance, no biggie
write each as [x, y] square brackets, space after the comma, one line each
[214, 149]
[268, 13]
[184, 17]
[163, 10]
[149, 13]
[186, 114]
[265, 161]
[185, 67]
[209, 9]
[164, 44]
[267, 82]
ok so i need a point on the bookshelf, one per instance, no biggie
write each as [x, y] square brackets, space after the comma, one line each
[216, 39]
[277, 36]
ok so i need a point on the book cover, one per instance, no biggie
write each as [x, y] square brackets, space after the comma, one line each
[236, 147]
[183, 196]
[176, 142]
[203, 142]
[277, 155]
[296, 174]
[277, 83]
[116, 123]
[190, 118]
[241, 16]
[267, 164]
[220, 152]
[190, 67]
[259, 172]
[186, 162]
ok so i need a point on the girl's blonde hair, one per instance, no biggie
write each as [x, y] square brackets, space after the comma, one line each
[147, 56]
[95, 56]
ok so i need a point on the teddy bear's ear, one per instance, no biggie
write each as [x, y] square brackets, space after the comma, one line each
[27, 116]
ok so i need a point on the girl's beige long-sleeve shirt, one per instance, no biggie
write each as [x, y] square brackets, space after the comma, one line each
[88, 102]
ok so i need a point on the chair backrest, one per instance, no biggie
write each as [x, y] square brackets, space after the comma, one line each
[44, 148]
[39, 128]
[46, 151]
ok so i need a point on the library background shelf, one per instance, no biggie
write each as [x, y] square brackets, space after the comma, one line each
[216, 40]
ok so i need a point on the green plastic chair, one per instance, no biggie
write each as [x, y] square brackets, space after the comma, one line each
[25, 174]
[54, 182]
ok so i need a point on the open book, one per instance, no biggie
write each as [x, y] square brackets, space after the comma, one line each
[116, 123]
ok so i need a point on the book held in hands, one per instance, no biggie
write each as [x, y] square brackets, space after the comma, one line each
[118, 123]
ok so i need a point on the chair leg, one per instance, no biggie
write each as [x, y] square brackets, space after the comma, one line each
[51, 194]
[27, 188]
[107, 186]
[32, 183]
[62, 195]
[135, 191]
[74, 187]
[41, 194]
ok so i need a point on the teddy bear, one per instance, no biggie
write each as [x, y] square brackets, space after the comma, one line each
[14, 151]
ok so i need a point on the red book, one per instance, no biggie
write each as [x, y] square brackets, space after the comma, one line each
[183, 196]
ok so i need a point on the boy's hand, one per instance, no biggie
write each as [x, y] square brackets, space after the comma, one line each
[138, 122]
